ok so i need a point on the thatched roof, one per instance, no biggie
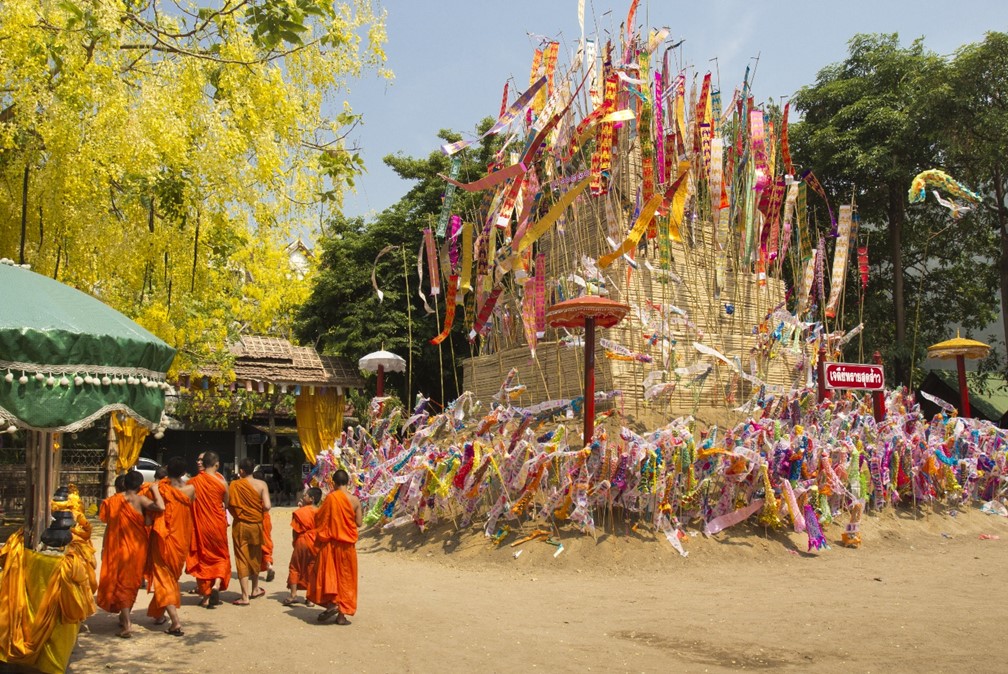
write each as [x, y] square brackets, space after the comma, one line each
[274, 360]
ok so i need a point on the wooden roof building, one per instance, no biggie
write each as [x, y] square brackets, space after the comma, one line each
[274, 360]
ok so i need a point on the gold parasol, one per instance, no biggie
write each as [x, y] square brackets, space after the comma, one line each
[960, 346]
[960, 349]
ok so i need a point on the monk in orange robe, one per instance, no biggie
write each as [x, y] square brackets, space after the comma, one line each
[209, 560]
[248, 501]
[171, 536]
[267, 544]
[334, 585]
[302, 563]
[124, 549]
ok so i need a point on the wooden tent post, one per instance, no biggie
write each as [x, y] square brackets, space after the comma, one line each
[42, 465]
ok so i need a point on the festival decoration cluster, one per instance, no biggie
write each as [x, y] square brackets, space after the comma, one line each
[797, 464]
[623, 172]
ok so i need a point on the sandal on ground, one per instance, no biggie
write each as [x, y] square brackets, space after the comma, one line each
[161, 621]
[124, 634]
[260, 593]
[309, 604]
[205, 602]
[215, 599]
[287, 601]
[326, 614]
[270, 575]
[342, 620]
[175, 631]
[240, 602]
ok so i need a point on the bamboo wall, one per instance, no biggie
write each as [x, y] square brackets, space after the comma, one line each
[557, 371]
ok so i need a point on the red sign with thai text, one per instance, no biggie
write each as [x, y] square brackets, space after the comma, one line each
[854, 375]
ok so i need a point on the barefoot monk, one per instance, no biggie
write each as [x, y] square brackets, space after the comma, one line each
[209, 559]
[248, 500]
[170, 538]
[124, 549]
[334, 586]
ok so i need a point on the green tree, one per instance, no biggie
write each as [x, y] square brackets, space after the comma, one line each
[344, 315]
[866, 131]
[159, 155]
[974, 102]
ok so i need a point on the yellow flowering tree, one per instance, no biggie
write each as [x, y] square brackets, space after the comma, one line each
[160, 155]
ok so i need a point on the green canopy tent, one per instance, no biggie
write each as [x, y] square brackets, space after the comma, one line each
[66, 360]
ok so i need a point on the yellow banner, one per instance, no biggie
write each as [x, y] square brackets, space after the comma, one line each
[543, 224]
[677, 192]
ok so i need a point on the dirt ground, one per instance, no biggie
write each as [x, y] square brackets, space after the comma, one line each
[925, 593]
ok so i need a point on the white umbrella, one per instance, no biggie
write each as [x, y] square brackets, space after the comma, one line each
[379, 362]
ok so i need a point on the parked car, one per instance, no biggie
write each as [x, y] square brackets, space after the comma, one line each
[147, 468]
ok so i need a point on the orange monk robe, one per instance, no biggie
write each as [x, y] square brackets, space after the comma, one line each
[209, 555]
[246, 507]
[171, 536]
[335, 578]
[267, 543]
[302, 563]
[124, 552]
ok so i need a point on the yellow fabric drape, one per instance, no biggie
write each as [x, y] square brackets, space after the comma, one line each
[130, 436]
[43, 598]
[319, 421]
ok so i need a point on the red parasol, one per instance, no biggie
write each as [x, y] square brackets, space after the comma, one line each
[587, 312]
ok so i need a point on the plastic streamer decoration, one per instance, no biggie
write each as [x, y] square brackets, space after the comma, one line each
[513, 467]
[937, 179]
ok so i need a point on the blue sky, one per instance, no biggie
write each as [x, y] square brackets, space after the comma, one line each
[452, 57]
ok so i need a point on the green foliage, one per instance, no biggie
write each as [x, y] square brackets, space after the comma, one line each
[973, 99]
[172, 149]
[218, 410]
[869, 126]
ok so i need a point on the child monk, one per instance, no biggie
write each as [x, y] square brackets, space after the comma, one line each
[209, 560]
[334, 584]
[124, 549]
[248, 500]
[302, 564]
[171, 534]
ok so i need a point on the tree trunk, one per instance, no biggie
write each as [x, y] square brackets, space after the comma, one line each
[24, 214]
[274, 401]
[1002, 220]
[897, 214]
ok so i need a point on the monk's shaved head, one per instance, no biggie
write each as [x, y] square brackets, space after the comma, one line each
[210, 459]
[133, 480]
[341, 478]
[176, 467]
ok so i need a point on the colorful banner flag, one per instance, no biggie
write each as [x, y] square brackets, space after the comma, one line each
[449, 196]
[433, 266]
[509, 116]
[840, 256]
[449, 318]
[647, 213]
[465, 281]
[547, 221]
[374, 267]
